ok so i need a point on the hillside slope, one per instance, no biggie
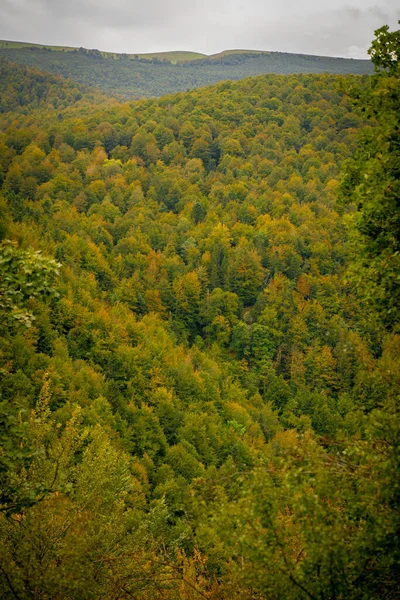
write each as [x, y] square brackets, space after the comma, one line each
[135, 76]
[193, 398]
[26, 87]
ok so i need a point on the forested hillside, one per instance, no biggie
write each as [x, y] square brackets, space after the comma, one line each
[30, 88]
[137, 76]
[197, 398]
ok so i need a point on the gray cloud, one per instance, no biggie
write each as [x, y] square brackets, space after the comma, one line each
[311, 27]
[344, 31]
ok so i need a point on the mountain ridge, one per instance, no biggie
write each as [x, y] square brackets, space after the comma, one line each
[172, 56]
[130, 78]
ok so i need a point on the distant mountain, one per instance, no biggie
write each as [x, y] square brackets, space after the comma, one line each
[172, 57]
[145, 75]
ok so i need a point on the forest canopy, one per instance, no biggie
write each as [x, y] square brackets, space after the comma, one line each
[199, 394]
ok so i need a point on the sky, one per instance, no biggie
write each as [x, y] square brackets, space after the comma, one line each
[334, 28]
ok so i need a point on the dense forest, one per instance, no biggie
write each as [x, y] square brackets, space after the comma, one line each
[138, 76]
[199, 342]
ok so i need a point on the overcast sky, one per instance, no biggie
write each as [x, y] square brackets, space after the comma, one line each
[334, 28]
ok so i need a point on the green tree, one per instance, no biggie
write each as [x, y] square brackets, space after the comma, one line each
[372, 182]
[187, 291]
[24, 275]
